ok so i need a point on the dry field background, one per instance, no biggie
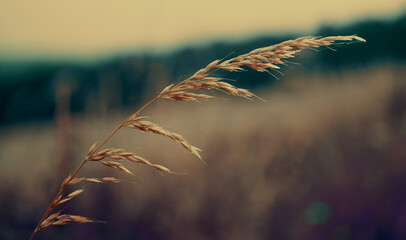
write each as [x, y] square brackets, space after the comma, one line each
[324, 158]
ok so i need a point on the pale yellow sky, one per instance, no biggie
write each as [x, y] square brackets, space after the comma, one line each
[91, 27]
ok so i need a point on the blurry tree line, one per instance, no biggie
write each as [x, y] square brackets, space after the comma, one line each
[27, 90]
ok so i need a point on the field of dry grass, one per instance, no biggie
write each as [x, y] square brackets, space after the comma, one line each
[324, 158]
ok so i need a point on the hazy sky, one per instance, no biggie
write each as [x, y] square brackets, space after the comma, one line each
[91, 27]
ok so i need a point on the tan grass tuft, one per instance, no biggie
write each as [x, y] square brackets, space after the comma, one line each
[264, 59]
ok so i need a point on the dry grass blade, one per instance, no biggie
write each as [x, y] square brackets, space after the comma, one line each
[264, 59]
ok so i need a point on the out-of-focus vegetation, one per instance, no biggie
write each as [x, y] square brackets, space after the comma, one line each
[27, 89]
[324, 158]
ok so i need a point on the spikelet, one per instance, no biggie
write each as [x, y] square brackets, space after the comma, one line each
[110, 180]
[94, 180]
[185, 96]
[76, 180]
[58, 219]
[60, 201]
[48, 221]
[66, 180]
[147, 126]
[117, 165]
[89, 153]
[121, 154]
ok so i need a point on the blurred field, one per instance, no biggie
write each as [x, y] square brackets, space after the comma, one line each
[324, 158]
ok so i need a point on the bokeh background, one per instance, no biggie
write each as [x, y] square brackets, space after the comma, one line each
[324, 158]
